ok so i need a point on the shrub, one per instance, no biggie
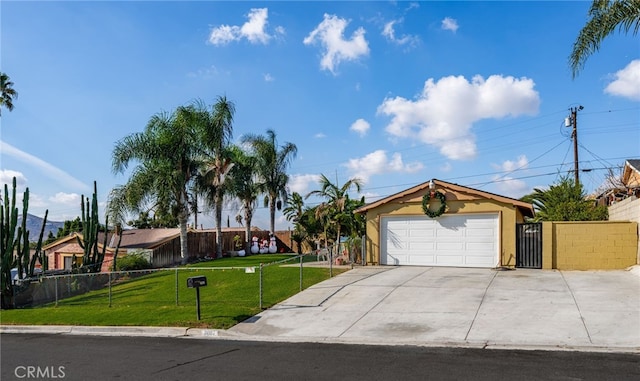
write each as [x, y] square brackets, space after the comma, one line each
[134, 261]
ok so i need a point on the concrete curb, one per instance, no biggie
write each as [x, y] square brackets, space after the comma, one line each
[208, 334]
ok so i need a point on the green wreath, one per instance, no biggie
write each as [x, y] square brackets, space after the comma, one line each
[425, 204]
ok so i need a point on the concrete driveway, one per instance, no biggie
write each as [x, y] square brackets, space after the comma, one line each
[545, 309]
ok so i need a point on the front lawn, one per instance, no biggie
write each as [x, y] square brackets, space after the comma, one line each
[232, 295]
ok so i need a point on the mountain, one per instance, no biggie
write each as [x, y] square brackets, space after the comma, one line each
[34, 224]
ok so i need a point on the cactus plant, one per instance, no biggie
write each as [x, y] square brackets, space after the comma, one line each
[92, 257]
[14, 244]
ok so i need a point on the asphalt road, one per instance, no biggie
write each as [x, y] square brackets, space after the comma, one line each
[69, 357]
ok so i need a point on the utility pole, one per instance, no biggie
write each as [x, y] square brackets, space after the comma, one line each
[572, 121]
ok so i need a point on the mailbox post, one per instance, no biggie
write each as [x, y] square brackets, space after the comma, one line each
[197, 282]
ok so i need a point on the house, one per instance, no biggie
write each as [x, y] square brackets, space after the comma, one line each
[629, 185]
[60, 253]
[476, 228]
[161, 246]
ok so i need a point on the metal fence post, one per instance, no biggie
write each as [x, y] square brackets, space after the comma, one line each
[260, 286]
[301, 273]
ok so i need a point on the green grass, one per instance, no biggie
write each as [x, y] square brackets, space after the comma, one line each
[231, 296]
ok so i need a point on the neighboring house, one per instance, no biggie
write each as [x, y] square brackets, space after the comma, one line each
[630, 185]
[60, 253]
[160, 246]
[477, 228]
[625, 204]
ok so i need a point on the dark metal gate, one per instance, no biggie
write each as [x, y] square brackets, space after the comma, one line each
[529, 245]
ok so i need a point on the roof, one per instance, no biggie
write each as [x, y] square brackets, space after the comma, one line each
[524, 206]
[630, 166]
[73, 236]
[143, 238]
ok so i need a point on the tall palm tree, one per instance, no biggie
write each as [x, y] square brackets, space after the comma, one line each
[166, 154]
[216, 130]
[337, 198]
[7, 92]
[245, 188]
[605, 17]
[272, 164]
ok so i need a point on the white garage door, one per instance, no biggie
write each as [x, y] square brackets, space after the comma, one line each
[461, 240]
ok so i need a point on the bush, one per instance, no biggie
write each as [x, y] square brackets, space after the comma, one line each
[134, 261]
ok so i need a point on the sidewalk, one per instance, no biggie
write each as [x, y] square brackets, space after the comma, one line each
[432, 306]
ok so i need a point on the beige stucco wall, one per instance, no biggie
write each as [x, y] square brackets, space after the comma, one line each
[627, 210]
[598, 245]
[508, 216]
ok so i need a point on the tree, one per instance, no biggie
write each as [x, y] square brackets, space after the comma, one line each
[272, 163]
[605, 17]
[7, 92]
[337, 199]
[245, 188]
[216, 130]
[166, 153]
[565, 201]
[295, 205]
[293, 213]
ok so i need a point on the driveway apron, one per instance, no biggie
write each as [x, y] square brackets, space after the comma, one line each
[461, 307]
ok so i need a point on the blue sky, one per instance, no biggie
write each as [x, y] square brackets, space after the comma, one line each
[394, 93]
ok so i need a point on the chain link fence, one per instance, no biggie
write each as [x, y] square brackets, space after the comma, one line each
[260, 285]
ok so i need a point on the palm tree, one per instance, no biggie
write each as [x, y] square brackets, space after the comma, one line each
[564, 201]
[272, 163]
[7, 92]
[295, 205]
[337, 199]
[166, 153]
[605, 17]
[216, 129]
[245, 188]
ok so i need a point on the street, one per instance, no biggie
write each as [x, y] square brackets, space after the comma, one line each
[79, 357]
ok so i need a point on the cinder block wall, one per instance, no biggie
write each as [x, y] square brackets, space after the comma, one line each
[601, 245]
[627, 210]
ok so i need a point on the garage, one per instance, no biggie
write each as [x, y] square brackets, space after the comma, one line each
[438, 223]
[465, 240]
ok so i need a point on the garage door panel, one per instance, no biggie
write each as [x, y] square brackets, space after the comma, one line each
[450, 240]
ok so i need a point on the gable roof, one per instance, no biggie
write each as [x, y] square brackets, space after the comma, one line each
[73, 236]
[526, 208]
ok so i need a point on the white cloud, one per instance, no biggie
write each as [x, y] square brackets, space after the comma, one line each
[330, 34]
[301, 183]
[509, 165]
[360, 126]
[7, 175]
[377, 163]
[319, 135]
[510, 187]
[389, 32]
[507, 185]
[70, 199]
[268, 78]
[446, 167]
[254, 30]
[627, 82]
[54, 173]
[450, 24]
[444, 113]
